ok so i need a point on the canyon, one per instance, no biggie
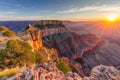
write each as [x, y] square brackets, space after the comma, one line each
[87, 50]
[84, 52]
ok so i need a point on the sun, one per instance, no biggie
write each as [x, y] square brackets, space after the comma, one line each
[112, 17]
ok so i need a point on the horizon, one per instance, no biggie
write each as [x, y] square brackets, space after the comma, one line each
[56, 19]
[73, 10]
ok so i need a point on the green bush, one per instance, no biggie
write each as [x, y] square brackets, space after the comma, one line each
[3, 28]
[9, 33]
[3, 55]
[40, 57]
[63, 67]
[18, 46]
[21, 52]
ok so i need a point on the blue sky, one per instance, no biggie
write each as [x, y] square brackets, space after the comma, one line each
[58, 9]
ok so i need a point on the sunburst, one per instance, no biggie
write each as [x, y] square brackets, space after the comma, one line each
[112, 17]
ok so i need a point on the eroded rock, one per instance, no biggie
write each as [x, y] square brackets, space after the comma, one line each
[102, 72]
[48, 71]
[44, 71]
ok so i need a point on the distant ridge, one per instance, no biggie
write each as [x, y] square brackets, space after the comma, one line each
[16, 25]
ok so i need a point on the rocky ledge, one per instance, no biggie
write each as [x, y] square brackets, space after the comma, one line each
[104, 73]
[45, 71]
[48, 71]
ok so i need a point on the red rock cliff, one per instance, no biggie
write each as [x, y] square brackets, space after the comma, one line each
[35, 39]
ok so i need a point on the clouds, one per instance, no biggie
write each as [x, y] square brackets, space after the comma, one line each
[103, 8]
[56, 9]
[5, 15]
[8, 13]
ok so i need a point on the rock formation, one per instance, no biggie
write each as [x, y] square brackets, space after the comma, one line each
[102, 72]
[72, 76]
[34, 36]
[48, 71]
[75, 66]
[49, 24]
[42, 29]
[50, 27]
[45, 71]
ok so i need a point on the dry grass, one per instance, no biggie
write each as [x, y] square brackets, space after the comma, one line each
[10, 72]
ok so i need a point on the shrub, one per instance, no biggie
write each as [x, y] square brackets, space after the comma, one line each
[21, 52]
[40, 57]
[9, 33]
[63, 67]
[3, 55]
[3, 28]
[18, 46]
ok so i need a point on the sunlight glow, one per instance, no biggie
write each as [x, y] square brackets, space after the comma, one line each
[112, 17]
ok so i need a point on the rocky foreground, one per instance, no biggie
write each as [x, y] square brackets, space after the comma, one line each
[48, 71]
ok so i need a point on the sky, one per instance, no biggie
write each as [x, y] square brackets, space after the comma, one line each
[58, 9]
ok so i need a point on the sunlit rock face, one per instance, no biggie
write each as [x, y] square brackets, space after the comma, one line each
[34, 37]
[42, 29]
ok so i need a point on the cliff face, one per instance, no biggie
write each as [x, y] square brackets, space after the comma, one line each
[42, 29]
[71, 44]
[35, 38]
[80, 48]
[50, 27]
